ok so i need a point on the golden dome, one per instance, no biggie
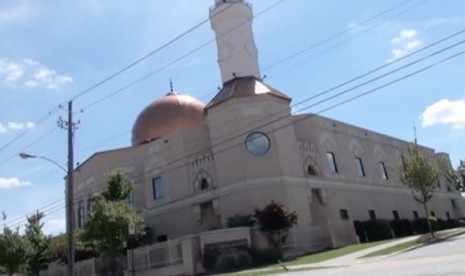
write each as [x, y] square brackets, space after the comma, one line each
[171, 113]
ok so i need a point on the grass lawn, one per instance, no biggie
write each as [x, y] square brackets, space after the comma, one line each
[421, 240]
[313, 258]
[334, 253]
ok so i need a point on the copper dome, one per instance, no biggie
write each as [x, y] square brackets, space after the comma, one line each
[166, 115]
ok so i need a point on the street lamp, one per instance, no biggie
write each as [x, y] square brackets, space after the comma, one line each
[27, 156]
[69, 206]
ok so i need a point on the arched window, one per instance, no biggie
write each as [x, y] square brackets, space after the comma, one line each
[204, 184]
[310, 170]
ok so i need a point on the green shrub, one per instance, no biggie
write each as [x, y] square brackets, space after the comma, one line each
[407, 227]
[378, 230]
[266, 256]
[396, 226]
[421, 225]
[360, 230]
[241, 221]
[401, 227]
[226, 259]
[442, 224]
[234, 259]
[209, 257]
[453, 223]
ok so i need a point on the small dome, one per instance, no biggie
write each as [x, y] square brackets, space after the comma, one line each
[171, 113]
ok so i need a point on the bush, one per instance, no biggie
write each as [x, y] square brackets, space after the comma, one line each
[453, 223]
[360, 230]
[267, 256]
[275, 221]
[401, 227]
[209, 257]
[421, 225]
[241, 221]
[442, 224]
[226, 259]
[407, 227]
[378, 230]
[233, 260]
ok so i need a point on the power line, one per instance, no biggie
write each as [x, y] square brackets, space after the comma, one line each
[299, 119]
[28, 146]
[314, 114]
[381, 67]
[359, 77]
[339, 34]
[177, 59]
[112, 76]
[425, 69]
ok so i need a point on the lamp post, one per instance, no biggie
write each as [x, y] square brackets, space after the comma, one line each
[69, 206]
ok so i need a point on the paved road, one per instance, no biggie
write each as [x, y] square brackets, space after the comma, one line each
[443, 258]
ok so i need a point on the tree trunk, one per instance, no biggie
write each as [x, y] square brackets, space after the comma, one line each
[430, 227]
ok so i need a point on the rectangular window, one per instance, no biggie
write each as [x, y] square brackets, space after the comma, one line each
[129, 200]
[331, 162]
[344, 214]
[81, 217]
[448, 215]
[415, 215]
[395, 214]
[453, 203]
[372, 214]
[359, 164]
[157, 186]
[433, 214]
[382, 168]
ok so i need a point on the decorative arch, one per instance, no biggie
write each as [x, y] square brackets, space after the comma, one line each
[356, 147]
[329, 141]
[203, 181]
[311, 167]
[379, 152]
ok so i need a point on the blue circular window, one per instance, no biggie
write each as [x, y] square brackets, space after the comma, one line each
[257, 143]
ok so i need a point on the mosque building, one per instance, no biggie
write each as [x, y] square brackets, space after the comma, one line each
[193, 166]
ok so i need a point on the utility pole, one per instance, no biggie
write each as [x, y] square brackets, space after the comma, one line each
[70, 126]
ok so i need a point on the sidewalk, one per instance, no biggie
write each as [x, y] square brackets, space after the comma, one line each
[355, 258]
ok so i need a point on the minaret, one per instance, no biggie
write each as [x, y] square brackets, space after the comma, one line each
[237, 54]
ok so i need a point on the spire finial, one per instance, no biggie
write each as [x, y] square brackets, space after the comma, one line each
[171, 85]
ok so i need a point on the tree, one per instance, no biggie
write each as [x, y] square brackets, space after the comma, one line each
[13, 250]
[107, 227]
[58, 249]
[417, 173]
[276, 222]
[457, 177]
[38, 243]
[118, 187]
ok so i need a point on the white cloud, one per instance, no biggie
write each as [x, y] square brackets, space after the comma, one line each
[445, 112]
[31, 74]
[7, 183]
[54, 226]
[20, 126]
[404, 43]
[2, 128]
[30, 125]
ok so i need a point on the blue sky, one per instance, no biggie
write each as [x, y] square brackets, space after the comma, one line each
[52, 50]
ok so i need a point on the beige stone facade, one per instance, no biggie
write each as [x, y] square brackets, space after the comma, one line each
[194, 178]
